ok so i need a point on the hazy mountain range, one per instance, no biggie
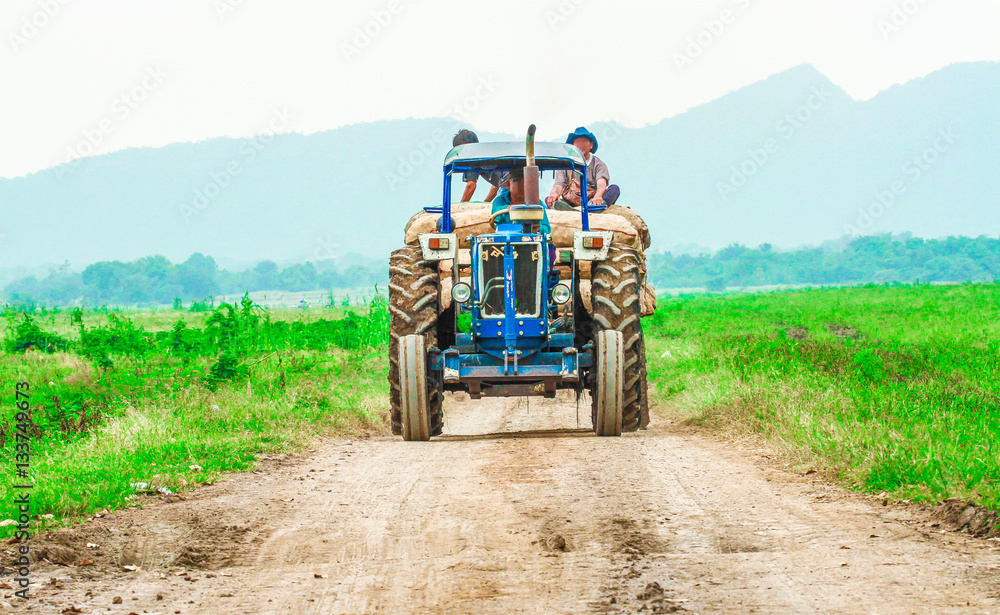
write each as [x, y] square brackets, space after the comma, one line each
[789, 160]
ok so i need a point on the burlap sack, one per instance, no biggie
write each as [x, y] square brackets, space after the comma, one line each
[473, 219]
[634, 219]
[423, 222]
[585, 294]
[566, 223]
[647, 297]
[464, 258]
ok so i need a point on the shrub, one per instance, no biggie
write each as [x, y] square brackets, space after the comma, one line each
[27, 334]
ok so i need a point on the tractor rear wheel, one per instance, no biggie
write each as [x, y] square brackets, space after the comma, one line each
[414, 396]
[609, 375]
[413, 310]
[615, 284]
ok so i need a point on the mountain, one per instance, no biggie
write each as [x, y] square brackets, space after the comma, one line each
[833, 164]
[790, 160]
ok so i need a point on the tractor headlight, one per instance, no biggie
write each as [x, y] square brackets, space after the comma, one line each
[561, 293]
[461, 292]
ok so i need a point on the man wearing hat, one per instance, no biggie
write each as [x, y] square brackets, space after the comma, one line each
[566, 190]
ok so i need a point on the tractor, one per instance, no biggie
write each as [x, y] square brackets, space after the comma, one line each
[505, 310]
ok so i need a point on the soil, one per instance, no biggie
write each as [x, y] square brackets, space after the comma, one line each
[519, 508]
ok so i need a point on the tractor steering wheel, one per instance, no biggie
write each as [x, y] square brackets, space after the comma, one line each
[493, 218]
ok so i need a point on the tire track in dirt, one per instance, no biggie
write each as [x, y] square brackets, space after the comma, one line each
[518, 508]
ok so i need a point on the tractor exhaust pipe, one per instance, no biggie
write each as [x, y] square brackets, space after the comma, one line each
[531, 196]
[531, 212]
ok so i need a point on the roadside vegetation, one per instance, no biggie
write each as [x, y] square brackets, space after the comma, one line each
[126, 402]
[885, 388]
[891, 389]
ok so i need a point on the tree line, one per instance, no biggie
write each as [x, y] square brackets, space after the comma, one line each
[155, 280]
[875, 258]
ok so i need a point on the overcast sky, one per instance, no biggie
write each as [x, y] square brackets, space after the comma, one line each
[83, 77]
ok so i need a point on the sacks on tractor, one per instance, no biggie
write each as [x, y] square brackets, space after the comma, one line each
[473, 219]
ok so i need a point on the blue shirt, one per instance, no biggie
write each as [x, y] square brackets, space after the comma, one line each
[502, 202]
[495, 178]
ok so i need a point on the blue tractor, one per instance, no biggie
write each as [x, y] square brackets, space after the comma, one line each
[515, 321]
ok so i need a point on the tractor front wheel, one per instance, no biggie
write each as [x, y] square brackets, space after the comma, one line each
[413, 310]
[414, 397]
[608, 393]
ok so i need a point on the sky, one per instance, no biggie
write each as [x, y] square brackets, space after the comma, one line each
[81, 78]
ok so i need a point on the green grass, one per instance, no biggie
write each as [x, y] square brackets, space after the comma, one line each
[137, 398]
[890, 389]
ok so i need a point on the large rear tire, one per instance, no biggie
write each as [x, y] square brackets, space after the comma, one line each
[615, 284]
[414, 395]
[413, 310]
[609, 372]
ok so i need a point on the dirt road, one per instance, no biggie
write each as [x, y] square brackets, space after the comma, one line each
[554, 520]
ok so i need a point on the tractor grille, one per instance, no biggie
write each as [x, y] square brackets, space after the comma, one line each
[527, 265]
[492, 276]
[526, 281]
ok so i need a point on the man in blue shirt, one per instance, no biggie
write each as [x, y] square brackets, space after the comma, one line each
[515, 196]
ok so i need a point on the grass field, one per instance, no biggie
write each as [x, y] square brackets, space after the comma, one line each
[172, 398]
[885, 389]
[888, 389]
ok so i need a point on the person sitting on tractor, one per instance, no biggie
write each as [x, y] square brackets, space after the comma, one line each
[565, 193]
[514, 195]
[496, 179]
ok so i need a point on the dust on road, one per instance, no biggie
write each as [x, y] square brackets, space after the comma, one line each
[551, 520]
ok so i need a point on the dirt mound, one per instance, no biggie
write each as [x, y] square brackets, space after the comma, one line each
[843, 330]
[632, 538]
[964, 516]
[63, 547]
[554, 542]
[194, 530]
[798, 333]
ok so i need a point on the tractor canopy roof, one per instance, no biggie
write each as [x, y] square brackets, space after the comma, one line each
[510, 154]
[504, 155]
